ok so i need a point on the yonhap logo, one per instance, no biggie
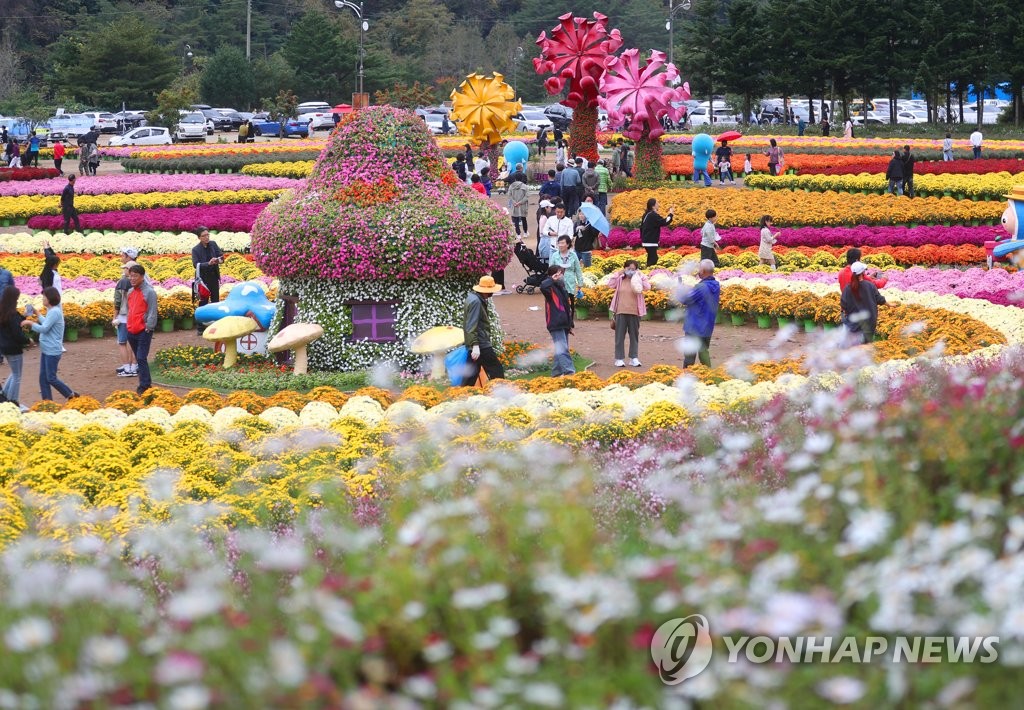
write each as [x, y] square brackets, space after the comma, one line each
[681, 648]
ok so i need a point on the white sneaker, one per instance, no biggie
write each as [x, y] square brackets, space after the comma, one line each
[620, 363]
[634, 362]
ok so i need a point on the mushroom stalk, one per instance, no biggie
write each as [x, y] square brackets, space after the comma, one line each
[230, 352]
[301, 361]
[437, 366]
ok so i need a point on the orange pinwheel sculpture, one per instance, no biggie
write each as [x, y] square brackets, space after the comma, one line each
[483, 107]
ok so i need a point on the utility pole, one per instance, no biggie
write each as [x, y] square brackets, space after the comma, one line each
[249, 28]
[673, 8]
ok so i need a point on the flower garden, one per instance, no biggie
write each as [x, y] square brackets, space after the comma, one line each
[520, 543]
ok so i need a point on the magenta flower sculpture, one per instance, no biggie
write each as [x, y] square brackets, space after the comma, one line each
[640, 94]
[575, 55]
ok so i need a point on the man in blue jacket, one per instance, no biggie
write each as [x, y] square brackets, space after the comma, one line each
[701, 308]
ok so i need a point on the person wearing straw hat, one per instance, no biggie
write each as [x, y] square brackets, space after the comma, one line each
[476, 328]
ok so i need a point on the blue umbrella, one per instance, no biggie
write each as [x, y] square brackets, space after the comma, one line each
[595, 217]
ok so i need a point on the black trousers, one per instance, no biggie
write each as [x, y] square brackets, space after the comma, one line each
[652, 255]
[490, 364]
[214, 286]
[70, 215]
[709, 253]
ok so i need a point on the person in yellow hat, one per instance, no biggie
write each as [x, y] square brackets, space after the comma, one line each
[476, 328]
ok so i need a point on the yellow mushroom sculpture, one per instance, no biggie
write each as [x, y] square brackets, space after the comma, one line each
[228, 330]
[483, 107]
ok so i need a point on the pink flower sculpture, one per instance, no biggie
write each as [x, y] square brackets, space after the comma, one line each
[576, 53]
[641, 93]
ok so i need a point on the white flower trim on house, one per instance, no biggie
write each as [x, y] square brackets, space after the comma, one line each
[421, 305]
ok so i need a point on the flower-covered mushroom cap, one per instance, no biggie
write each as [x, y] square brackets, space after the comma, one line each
[381, 203]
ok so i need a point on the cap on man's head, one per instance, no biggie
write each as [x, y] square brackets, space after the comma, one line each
[858, 267]
[131, 252]
[545, 203]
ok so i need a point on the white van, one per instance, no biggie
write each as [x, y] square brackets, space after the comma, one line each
[191, 127]
[70, 125]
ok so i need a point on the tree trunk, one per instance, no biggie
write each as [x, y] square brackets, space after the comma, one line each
[810, 107]
[980, 88]
[747, 100]
[583, 132]
[647, 167]
[960, 101]
[949, 105]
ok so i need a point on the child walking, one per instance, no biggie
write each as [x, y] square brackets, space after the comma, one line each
[710, 239]
[748, 169]
[768, 239]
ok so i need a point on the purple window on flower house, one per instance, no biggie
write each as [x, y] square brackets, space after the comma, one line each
[374, 322]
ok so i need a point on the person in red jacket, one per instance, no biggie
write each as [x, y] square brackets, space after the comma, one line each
[845, 276]
[58, 156]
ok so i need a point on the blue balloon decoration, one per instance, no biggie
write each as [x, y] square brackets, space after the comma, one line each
[516, 152]
[702, 146]
[246, 297]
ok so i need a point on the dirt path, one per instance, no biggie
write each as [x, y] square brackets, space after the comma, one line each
[89, 365]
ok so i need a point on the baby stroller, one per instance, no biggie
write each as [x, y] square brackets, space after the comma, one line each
[536, 270]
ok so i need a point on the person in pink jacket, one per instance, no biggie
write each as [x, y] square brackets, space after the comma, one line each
[628, 306]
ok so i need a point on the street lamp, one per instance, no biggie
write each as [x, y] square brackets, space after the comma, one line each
[187, 58]
[363, 27]
[518, 54]
[672, 10]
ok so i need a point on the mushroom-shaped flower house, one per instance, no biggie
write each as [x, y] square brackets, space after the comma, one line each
[382, 242]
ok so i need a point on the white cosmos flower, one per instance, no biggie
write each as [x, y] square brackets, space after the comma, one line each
[842, 690]
[105, 651]
[29, 634]
[189, 697]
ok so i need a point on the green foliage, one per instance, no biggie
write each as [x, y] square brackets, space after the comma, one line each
[171, 101]
[271, 76]
[227, 80]
[404, 96]
[282, 105]
[323, 60]
[122, 61]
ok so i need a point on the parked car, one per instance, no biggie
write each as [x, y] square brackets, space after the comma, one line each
[127, 120]
[720, 116]
[106, 122]
[912, 117]
[873, 118]
[147, 135]
[191, 127]
[989, 116]
[319, 113]
[532, 121]
[70, 125]
[217, 121]
[235, 118]
[559, 115]
[435, 122]
[263, 126]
